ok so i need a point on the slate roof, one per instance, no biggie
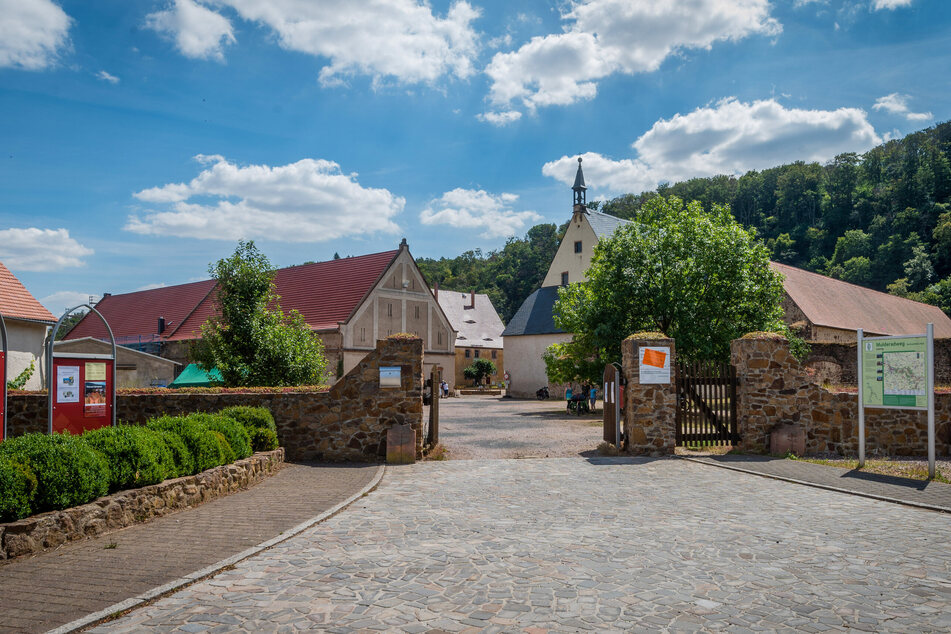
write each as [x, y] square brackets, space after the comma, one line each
[479, 327]
[17, 303]
[534, 316]
[836, 304]
[604, 224]
[325, 293]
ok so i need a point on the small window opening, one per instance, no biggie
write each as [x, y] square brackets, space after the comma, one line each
[578, 246]
[564, 278]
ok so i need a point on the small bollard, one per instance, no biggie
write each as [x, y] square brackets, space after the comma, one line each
[401, 444]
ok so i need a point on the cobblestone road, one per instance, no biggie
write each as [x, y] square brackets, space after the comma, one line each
[493, 427]
[571, 544]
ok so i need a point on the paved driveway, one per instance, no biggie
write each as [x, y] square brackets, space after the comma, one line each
[493, 427]
[571, 544]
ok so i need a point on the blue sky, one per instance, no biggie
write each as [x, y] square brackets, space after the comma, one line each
[141, 140]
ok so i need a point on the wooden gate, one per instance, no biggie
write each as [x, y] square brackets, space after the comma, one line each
[706, 404]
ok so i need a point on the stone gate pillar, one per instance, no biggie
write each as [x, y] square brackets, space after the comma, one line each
[650, 409]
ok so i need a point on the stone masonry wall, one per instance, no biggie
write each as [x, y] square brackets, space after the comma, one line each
[125, 508]
[649, 410]
[774, 388]
[835, 362]
[348, 422]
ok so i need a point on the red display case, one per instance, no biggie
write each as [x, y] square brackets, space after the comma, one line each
[83, 392]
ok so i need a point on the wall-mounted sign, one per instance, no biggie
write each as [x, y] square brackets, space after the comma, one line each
[390, 376]
[654, 366]
[67, 384]
[95, 390]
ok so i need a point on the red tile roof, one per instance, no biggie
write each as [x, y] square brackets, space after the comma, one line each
[17, 303]
[836, 304]
[325, 293]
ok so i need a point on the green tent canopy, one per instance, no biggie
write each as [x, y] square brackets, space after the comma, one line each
[193, 376]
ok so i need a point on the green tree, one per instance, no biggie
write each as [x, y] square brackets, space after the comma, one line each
[479, 371]
[572, 362]
[698, 277]
[918, 269]
[250, 339]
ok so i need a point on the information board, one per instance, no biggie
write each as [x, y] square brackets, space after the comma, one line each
[654, 366]
[82, 397]
[895, 372]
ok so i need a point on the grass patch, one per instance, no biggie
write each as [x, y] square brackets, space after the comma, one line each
[438, 452]
[912, 469]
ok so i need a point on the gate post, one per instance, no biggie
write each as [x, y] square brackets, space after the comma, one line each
[650, 410]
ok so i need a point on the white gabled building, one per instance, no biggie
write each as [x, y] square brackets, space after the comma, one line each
[533, 329]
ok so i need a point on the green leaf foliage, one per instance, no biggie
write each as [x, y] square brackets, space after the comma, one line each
[182, 459]
[258, 422]
[479, 370]
[17, 488]
[68, 471]
[697, 276]
[263, 439]
[573, 362]
[233, 431]
[20, 380]
[137, 456]
[250, 340]
[201, 442]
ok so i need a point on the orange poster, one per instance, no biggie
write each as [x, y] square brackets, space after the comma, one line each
[655, 358]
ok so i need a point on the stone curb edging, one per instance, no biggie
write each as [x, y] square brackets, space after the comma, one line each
[48, 530]
[816, 485]
[209, 571]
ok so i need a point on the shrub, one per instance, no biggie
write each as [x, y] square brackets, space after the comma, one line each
[251, 417]
[233, 431]
[68, 471]
[182, 459]
[225, 451]
[17, 487]
[264, 439]
[200, 441]
[137, 456]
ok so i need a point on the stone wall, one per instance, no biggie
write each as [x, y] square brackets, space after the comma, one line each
[835, 362]
[125, 508]
[348, 422]
[774, 389]
[649, 410]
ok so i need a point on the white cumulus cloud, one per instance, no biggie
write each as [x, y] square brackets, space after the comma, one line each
[197, 31]
[35, 249]
[59, 302]
[729, 137]
[478, 209]
[32, 33]
[307, 201]
[104, 76]
[898, 104]
[500, 118]
[879, 5]
[605, 37]
[392, 39]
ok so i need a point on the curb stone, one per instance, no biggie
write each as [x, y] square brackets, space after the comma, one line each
[873, 496]
[146, 597]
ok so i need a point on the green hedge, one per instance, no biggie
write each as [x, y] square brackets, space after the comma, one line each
[17, 487]
[201, 442]
[264, 439]
[233, 431]
[253, 419]
[67, 470]
[182, 458]
[137, 456]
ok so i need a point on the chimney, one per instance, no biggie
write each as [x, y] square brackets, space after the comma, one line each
[436, 291]
[161, 325]
[472, 299]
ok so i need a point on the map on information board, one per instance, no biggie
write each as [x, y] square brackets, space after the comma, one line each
[895, 372]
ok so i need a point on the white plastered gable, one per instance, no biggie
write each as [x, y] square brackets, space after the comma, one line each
[566, 260]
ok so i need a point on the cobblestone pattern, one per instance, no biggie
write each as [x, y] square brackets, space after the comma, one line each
[650, 411]
[346, 423]
[514, 545]
[81, 578]
[125, 508]
[774, 389]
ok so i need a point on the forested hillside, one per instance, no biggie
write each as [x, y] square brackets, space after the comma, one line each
[880, 219]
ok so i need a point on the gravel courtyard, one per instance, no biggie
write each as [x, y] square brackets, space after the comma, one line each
[476, 427]
[571, 544]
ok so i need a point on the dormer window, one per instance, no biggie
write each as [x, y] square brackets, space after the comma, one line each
[578, 246]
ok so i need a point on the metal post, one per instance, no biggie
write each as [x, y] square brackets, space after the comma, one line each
[930, 362]
[859, 347]
[3, 379]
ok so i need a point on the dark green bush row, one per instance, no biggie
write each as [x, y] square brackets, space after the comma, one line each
[41, 473]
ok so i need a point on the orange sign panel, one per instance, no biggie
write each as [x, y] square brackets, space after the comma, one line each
[654, 358]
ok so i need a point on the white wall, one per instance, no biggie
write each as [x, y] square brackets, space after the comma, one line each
[25, 343]
[566, 259]
[523, 362]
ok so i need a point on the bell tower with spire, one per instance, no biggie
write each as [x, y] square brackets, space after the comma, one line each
[580, 204]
